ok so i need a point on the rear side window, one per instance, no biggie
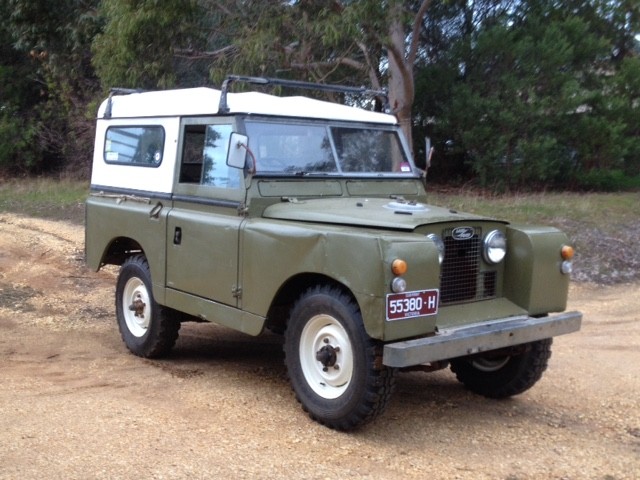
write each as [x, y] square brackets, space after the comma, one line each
[140, 146]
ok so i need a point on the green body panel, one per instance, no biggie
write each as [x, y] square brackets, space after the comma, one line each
[475, 312]
[143, 220]
[361, 212]
[272, 252]
[532, 277]
[204, 262]
[296, 188]
[211, 311]
[423, 273]
[384, 188]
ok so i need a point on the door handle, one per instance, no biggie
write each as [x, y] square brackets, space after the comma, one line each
[155, 211]
[177, 236]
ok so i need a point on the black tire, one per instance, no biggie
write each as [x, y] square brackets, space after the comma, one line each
[148, 330]
[504, 376]
[333, 365]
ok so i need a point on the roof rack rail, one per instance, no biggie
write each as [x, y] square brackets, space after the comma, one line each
[223, 107]
[118, 91]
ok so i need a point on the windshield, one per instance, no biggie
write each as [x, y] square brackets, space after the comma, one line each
[299, 149]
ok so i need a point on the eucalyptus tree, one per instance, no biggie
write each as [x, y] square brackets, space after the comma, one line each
[137, 45]
[353, 42]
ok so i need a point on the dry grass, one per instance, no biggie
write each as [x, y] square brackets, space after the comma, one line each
[44, 198]
[604, 227]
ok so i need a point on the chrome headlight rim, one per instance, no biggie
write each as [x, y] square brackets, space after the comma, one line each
[494, 247]
[437, 240]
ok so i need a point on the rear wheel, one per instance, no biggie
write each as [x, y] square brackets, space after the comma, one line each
[332, 363]
[497, 375]
[147, 329]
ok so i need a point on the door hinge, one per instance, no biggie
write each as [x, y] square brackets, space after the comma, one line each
[243, 209]
[236, 292]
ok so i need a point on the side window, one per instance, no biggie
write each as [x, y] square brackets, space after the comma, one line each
[140, 146]
[216, 146]
[204, 156]
[191, 165]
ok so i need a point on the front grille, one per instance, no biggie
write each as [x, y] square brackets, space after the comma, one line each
[461, 278]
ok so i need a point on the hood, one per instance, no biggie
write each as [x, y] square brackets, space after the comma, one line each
[365, 212]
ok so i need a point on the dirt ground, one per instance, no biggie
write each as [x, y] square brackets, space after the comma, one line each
[74, 404]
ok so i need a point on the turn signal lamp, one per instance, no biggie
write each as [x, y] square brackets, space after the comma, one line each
[399, 267]
[567, 252]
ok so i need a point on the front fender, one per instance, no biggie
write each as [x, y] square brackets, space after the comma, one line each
[274, 251]
[533, 279]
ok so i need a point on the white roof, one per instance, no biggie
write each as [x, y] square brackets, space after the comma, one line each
[204, 101]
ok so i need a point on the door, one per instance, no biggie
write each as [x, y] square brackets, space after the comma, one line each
[203, 226]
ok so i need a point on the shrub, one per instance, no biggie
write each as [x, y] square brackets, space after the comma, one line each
[607, 181]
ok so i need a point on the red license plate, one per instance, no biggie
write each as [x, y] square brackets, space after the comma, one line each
[405, 305]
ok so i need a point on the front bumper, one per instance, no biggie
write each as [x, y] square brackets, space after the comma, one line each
[479, 337]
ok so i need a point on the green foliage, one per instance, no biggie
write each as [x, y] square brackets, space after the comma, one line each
[534, 99]
[136, 47]
[626, 108]
[45, 63]
[530, 94]
[608, 181]
[16, 139]
[17, 97]
[308, 40]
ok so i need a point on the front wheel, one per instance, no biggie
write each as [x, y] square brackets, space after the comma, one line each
[147, 329]
[333, 365]
[496, 375]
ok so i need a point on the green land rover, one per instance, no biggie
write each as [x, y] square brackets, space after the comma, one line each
[310, 219]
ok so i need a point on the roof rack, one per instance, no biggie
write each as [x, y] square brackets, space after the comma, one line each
[223, 106]
[118, 91]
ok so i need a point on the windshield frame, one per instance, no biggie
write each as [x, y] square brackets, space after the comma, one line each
[328, 126]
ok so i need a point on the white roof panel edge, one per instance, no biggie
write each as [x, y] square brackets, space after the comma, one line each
[204, 101]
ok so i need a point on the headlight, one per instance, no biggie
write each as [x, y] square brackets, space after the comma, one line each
[439, 244]
[494, 247]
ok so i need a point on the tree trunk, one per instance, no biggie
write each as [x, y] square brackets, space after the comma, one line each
[401, 61]
[401, 87]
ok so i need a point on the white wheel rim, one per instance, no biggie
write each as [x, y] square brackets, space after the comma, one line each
[490, 364]
[327, 381]
[136, 307]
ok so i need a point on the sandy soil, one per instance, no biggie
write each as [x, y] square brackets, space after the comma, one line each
[74, 404]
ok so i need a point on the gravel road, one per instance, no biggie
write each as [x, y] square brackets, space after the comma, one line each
[75, 405]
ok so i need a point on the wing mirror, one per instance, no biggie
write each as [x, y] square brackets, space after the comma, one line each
[238, 148]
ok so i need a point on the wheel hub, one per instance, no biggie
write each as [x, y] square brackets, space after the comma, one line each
[138, 306]
[328, 356]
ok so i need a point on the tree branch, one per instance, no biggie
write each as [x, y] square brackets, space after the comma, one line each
[195, 54]
[373, 73]
[340, 61]
[415, 33]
